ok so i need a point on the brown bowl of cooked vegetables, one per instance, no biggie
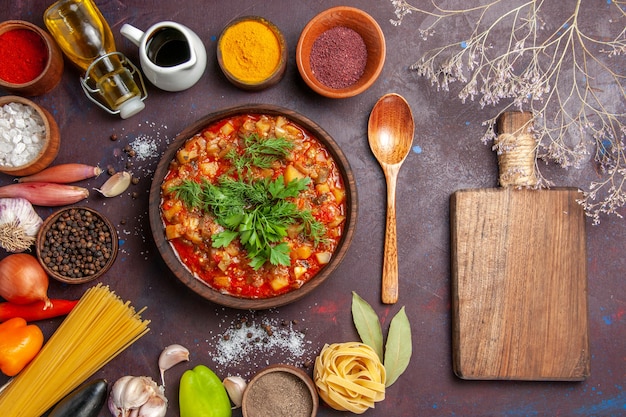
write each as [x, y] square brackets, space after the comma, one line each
[253, 207]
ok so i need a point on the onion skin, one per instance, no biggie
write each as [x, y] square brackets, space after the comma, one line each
[23, 280]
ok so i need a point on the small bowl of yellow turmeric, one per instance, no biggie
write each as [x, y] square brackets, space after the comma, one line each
[252, 53]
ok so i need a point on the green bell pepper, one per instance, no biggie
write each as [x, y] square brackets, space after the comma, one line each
[202, 394]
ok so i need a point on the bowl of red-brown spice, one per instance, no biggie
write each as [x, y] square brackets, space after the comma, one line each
[31, 62]
[280, 391]
[341, 52]
[76, 245]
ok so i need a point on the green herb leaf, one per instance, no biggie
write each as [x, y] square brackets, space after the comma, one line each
[399, 347]
[367, 324]
[279, 254]
[223, 239]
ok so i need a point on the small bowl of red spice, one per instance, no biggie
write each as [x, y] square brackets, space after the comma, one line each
[341, 52]
[31, 63]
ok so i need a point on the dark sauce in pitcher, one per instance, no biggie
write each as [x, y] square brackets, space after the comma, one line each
[168, 47]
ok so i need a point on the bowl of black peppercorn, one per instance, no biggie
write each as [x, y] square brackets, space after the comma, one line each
[76, 245]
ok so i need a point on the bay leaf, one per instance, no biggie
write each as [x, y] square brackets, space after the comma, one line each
[367, 324]
[399, 347]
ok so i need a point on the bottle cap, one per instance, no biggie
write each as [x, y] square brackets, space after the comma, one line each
[131, 107]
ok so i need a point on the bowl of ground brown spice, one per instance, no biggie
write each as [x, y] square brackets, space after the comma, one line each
[341, 52]
[31, 63]
[280, 391]
[252, 53]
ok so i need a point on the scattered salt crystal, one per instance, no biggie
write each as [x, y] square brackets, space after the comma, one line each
[145, 147]
[20, 125]
[250, 342]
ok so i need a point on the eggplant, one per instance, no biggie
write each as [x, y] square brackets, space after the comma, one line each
[85, 401]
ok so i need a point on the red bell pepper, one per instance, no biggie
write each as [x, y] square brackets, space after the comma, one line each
[35, 311]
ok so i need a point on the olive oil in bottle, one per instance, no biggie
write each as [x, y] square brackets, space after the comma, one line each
[86, 39]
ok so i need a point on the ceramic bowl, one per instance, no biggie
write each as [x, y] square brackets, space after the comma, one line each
[96, 242]
[50, 146]
[183, 274]
[280, 387]
[360, 22]
[270, 80]
[52, 72]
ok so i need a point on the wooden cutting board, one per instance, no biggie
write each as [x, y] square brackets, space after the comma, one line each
[519, 281]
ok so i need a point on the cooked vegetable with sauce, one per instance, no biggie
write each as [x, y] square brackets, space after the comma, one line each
[253, 205]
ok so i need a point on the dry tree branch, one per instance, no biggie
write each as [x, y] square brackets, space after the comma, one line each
[510, 60]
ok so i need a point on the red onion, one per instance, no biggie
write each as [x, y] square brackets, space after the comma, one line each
[23, 280]
[45, 193]
[64, 173]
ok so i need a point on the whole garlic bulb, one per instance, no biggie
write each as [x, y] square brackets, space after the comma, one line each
[19, 224]
[137, 396]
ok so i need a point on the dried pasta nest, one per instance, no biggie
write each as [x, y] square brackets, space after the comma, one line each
[349, 377]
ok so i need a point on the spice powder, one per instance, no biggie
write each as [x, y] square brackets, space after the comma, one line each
[250, 51]
[279, 394]
[338, 57]
[23, 56]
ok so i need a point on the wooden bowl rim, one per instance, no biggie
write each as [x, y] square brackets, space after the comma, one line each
[51, 138]
[290, 369]
[375, 66]
[46, 226]
[200, 287]
[275, 76]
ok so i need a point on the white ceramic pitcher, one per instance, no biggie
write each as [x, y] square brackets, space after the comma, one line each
[172, 56]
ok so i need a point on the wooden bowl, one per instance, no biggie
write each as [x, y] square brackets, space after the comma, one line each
[52, 140]
[277, 387]
[109, 248]
[354, 19]
[270, 80]
[52, 72]
[201, 288]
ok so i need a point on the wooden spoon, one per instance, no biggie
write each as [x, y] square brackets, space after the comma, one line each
[390, 132]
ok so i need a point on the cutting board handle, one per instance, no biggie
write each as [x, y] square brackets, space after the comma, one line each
[516, 147]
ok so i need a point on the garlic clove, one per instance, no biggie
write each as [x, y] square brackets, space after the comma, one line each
[116, 185]
[156, 406]
[136, 393]
[113, 407]
[170, 356]
[117, 394]
[235, 386]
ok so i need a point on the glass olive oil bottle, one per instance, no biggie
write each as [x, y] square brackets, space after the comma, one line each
[85, 38]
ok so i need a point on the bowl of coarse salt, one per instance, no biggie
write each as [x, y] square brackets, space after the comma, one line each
[29, 136]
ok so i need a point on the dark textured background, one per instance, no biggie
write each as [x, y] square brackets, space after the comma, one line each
[448, 155]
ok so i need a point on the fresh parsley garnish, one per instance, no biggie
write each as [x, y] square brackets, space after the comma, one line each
[257, 211]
